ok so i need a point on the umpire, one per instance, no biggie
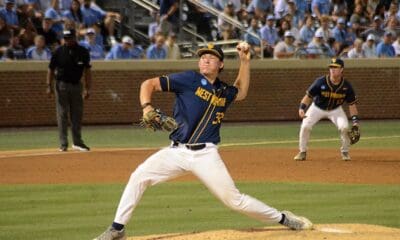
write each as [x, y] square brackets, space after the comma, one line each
[67, 65]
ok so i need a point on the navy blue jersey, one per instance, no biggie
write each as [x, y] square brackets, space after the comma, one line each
[328, 96]
[199, 106]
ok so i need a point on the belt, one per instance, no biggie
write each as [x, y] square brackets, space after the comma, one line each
[193, 147]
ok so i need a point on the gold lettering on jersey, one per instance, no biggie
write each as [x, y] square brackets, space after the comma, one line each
[203, 94]
[333, 95]
[207, 96]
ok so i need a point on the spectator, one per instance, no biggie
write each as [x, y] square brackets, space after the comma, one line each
[359, 16]
[296, 18]
[220, 4]
[55, 15]
[357, 51]
[339, 32]
[376, 29]
[27, 35]
[385, 49]
[393, 12]
[10, 14]
[169, 16]
[318, 48]
[369, 47]
[260, 8]
[65, 5]
[172, 48]
[281, 8]
[95, 50]
[39, 51]
[92, 14]
[74, 13]
[302, 8]
[339, 9]
[284, 26]
[320, 7]
[157, 50]
[50, 36]
[307, 31]
[324, 28]
[396, 46]
[351, 35]
[5, 33]
[254, 42]
[125, 50]
[15, 51]
[226, 30]
[154, 27]
[285, 48]
[269, 36]
[371, 8]
[393, 26]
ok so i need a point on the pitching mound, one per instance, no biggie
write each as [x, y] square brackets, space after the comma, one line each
[325, 231]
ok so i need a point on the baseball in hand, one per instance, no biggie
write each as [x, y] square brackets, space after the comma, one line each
[243, 46]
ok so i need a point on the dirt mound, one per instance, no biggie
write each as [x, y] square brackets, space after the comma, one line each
[323, 231]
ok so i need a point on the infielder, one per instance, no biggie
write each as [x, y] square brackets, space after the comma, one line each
[201, 101]
[326, 96]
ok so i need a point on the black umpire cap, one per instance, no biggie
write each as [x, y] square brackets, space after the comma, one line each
[336, 62]
[69, 33]
[212, 49]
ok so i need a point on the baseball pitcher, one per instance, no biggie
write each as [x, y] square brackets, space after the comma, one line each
[201, 102]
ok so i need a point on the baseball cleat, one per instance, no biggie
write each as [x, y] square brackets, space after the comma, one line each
[63, 149]
[301, 156]
[112, 234]
[81, 147]
[296, 222]
[346, 156]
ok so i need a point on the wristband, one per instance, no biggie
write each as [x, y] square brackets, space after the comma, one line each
[146, 104]
[303, 106]
[354, 119]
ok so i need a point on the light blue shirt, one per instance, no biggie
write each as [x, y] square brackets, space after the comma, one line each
[117, 52]
[153, 52]
[53, 14]
[10, 16]
[339, 35]
[96, 51]
[92, 15]
[250, 38]
[269, 34]
[306, 34]
[324, 6]
[33, 54]
[385, 50]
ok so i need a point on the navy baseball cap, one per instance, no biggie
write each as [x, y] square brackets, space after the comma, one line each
[336, 62]
[212, 49]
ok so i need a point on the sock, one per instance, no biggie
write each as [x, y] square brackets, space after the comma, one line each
[117, 226]
[283, 219]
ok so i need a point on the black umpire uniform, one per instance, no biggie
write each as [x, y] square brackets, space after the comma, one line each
[67, 65]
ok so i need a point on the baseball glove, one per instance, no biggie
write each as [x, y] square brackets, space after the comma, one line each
[354, 134]
[158, 121]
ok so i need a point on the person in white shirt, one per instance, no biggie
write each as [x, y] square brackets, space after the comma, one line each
[285, 48]
[369, 47]
[357, 51]
[39, 51]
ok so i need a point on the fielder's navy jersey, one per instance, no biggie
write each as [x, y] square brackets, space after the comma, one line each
[199, 106]
[328, 96]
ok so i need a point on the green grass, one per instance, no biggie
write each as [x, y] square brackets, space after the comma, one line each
[286, 133]
[83, 211]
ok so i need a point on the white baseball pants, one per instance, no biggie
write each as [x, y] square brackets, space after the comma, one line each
[314, 115]
[207, 165]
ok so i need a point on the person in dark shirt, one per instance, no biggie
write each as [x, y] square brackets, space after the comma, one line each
[15, 51]
[5, 35]
[67, 65]
[50, 36]
[324, 99]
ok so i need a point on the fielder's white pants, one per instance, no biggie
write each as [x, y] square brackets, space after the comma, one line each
[207, 165]
[314, 115]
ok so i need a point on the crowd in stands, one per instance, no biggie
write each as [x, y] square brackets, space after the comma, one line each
[32, 29]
